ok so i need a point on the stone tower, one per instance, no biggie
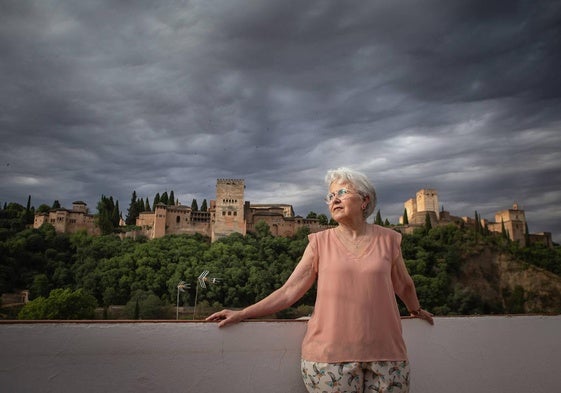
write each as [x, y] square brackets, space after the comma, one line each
[159, 220]
[427, 201]
[514, 221]
[229, 210]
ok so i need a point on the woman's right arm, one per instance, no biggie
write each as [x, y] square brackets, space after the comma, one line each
[299, 282]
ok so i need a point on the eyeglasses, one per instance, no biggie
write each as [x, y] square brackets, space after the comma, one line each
[339, 194]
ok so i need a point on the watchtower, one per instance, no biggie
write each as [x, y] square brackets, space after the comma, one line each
[427, 201]
[229, 211]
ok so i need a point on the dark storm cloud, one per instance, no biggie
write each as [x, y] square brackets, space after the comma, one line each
[104, 97]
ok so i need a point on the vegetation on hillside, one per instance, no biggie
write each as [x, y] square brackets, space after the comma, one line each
[143, 275]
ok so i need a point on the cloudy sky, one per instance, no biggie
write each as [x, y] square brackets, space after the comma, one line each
[106, 97]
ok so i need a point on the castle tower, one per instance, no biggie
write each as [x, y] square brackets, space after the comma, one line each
[79, 207]
[427, 201]
[514, 222]
[411, 208]
[229, 209]
[160, 213]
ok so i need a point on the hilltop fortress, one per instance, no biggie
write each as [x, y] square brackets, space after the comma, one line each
[228, 213]
[513, 221]
[231, 213]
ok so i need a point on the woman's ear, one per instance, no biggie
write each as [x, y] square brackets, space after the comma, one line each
[365, 202]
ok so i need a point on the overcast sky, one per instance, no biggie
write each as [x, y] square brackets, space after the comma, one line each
[107, 97]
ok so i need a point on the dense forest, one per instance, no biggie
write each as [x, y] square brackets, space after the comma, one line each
[70, 275]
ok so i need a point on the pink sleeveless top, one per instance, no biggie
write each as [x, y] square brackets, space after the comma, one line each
[356, 317]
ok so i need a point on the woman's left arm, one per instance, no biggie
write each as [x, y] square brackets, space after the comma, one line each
[404, 287]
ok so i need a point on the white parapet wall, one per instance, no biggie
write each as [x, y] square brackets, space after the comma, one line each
[458, 354]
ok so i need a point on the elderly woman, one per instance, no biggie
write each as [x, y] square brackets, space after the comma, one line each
[354, 338]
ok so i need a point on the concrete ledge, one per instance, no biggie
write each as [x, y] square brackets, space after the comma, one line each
[460, 354]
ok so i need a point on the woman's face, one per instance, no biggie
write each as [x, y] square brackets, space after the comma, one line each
[345, 201]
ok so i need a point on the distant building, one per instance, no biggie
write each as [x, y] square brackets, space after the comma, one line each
[228, 213]
[512, 220]
[69, 221]
[425, 202]
[231, 213]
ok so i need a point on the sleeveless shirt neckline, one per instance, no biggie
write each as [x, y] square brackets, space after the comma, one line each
[365, 251]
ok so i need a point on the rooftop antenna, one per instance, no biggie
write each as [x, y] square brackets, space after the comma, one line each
[203, 280]
[182, 286]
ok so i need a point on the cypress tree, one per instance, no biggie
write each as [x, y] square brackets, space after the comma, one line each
[156, 200]
[116, 214]
[104, 216]
[204, 207]
[378, 220]
[503, 229]
[428, 224]
[147, 206]
[133, 212]
[405, 218]
[476, 227]
[171, 200]
[164, 198]
[194, 205]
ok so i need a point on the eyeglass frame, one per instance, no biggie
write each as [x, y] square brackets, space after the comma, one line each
[342, 193]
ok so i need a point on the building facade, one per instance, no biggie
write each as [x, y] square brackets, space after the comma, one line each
[228, 213]
[69, 221]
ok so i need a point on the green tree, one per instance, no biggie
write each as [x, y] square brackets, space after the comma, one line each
[147, 206]
[194, 205]
[40, 286]
[262, 229]
[504, 232]
[141, 206]
[405, 219]
[108, 214]
[171, 200]
[133, 210]
[145, 305]
[312, 215]
[164, 198]
[29, 212]
[378, 220]
[428, 224]
[322, 219]
[61, 304]
[204, 207]
[43, 208]
[56, 204]
[156, 200]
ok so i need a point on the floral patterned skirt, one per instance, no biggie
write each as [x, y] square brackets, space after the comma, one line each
[356, 377]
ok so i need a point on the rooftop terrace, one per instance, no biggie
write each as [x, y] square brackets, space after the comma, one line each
[458, 354]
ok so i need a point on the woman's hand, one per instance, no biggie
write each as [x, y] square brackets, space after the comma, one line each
[226, 317]
[423, 314]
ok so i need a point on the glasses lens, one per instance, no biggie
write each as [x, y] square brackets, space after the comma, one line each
[339, 194]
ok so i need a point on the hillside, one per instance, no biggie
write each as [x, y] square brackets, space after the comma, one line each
[498, 278]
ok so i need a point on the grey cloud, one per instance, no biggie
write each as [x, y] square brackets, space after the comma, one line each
[110, 97]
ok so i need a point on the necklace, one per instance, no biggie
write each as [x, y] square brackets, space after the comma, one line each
[355, 243]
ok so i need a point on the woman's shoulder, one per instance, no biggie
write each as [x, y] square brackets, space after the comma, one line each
[323, 234]
[381, 231]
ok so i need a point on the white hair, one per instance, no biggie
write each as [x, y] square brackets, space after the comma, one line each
[360, 183]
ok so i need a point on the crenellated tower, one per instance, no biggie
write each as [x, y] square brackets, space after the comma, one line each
[229, 209]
